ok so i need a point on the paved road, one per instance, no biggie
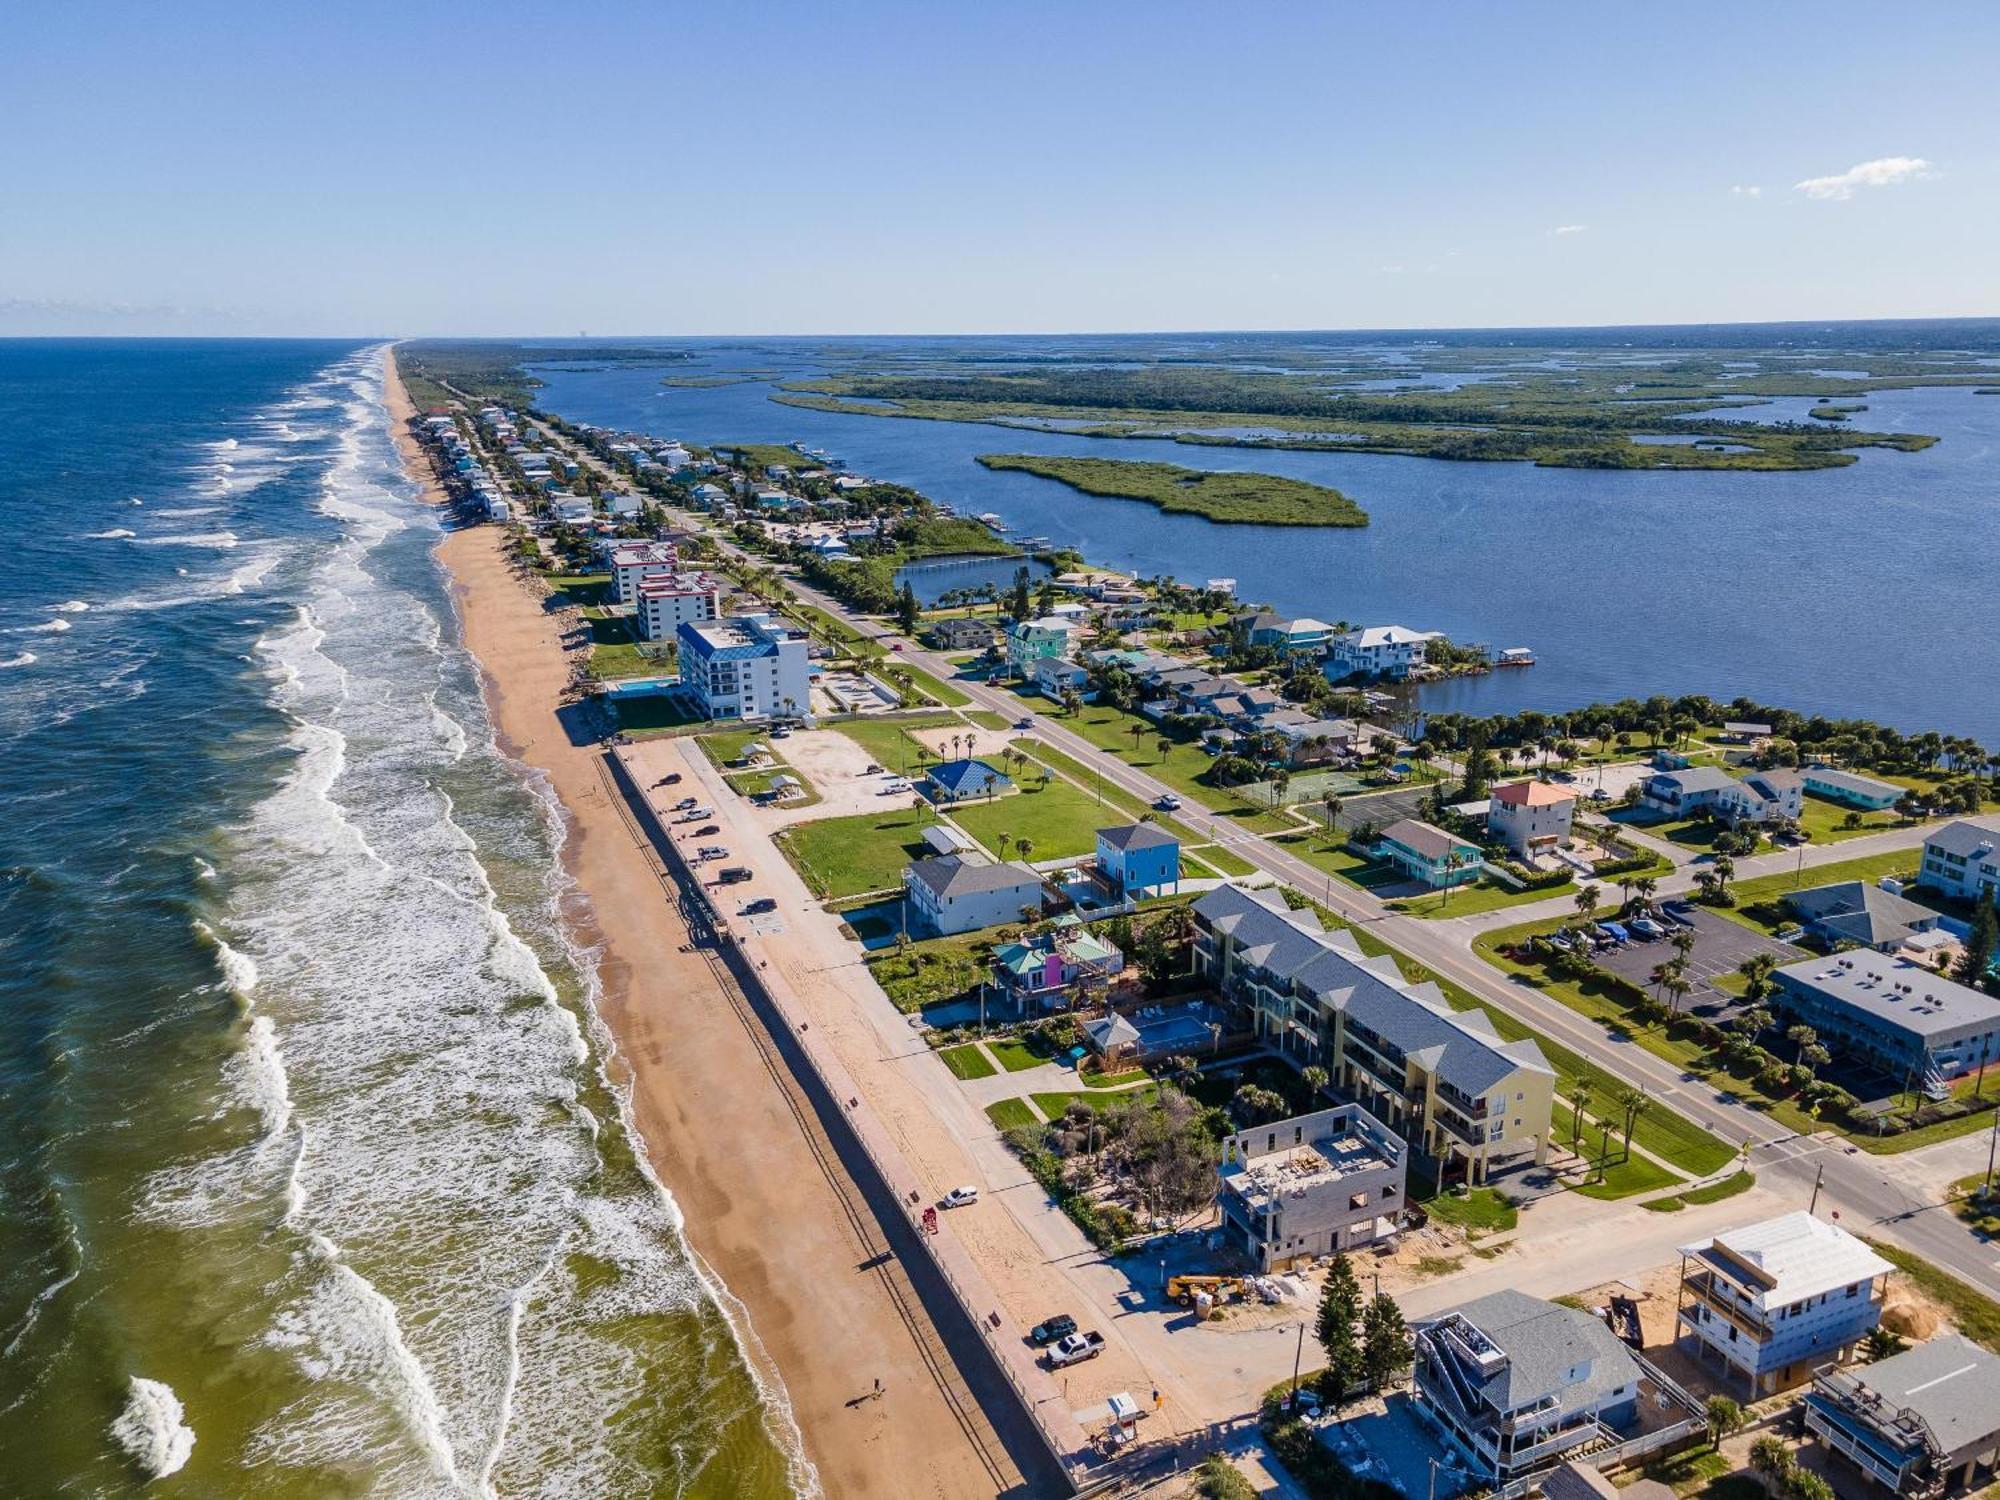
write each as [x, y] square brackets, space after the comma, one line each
[1895, 1197]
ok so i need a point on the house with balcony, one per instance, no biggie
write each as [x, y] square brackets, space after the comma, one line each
[1312, 1185]
[1028, 641]
[1516, 1384]
[1444, 1080]
[1923, 1422]
[1391, 651]
[1139, 859]
[1531, 817]
[1046, 971]
[956, 893]
[1962, 859]
[1429, 855]
[1770, 1303]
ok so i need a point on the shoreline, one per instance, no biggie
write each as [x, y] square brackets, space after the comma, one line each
[681, 1055]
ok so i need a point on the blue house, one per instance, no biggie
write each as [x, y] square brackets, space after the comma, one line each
[1139, 859]
[964, 781]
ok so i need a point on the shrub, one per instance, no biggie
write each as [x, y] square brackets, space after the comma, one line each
[1216, 1479]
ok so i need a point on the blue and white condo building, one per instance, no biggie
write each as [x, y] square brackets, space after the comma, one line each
[1773, 1302]
[745, 667]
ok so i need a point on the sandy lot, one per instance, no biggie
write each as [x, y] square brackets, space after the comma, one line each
[837, 769]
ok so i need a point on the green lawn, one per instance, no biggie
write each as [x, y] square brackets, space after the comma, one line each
[1481, 1210]
[1626, 1179]
[619, 659]
[1061, 819]
[1015, 1056]
[968, 1062]
[931, 971]
[1010, 1114]
[726, 746]
[1224, 862]
[1337, 860]
[581, 589]
[1823, 819]
[1715, 1192]
[1114, 1080]
[846, 856]
[1487, 895]
[1053, 1105]
[1109, 797]
[1181, 768]
[932, 688]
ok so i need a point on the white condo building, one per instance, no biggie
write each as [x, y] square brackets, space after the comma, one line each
[668, 601]
[745, 667]
[639, 560]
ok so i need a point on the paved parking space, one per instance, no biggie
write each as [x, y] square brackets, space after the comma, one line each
[1721, 947]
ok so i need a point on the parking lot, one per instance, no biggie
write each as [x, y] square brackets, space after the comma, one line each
[1721, 946]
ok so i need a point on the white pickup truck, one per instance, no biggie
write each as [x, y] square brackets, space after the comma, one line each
[1075, 1349]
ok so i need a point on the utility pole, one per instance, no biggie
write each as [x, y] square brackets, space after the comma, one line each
[1298, 1355]
[1819, 1178]
[1992, 1140]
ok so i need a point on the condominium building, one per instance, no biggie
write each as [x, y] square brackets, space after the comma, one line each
[1962, 859]
[632, 562]
[1888, 1012]
[666, 601]
[745, 667]
[1771, 1302]
[1443, 1079]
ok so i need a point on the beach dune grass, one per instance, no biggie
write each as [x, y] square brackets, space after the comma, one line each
[1227, 496]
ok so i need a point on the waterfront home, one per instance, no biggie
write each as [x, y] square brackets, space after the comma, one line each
[1761, 797]
[668, 601]
[952, 781]
[1426, 853]
[1766, 797]
[1302, 637]
[633, 562]
[1309, 741]
[954, 893]
[1743, 732]
[1056, 675]
[1853, 911]
[1045, 972]
[1443, 1079]
[1531, 817]
[1028, 641]
[1962, 859]
[1377, 651]
[1883, 1011]
[1923, 1422]
[1516, 1383]
[1850, 789]
[745, 667]
[1769, 1302]
[969, 633]
[1139, 859]
[1312, 1185]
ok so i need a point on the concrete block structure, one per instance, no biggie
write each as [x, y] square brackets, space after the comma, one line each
[1305, 1187]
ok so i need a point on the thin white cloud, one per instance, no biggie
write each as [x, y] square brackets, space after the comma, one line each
[1743, 190]
[1884, 171]
[1569, 229]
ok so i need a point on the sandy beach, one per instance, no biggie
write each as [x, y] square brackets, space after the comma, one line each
[726, 1132]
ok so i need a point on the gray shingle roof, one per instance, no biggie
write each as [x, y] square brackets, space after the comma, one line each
[1865, 913]
[1964, 836]
[1545, 1343]
[1951, 1384]
[954, 875]
[1136, 836]
[1698, 779]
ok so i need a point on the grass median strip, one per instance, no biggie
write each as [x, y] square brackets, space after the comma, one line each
[968, 1062]
[1011, 1114]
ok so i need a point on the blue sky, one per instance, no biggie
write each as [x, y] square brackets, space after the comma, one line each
[770, 168]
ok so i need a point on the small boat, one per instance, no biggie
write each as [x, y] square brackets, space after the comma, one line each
[1515, 656]
[991, 521]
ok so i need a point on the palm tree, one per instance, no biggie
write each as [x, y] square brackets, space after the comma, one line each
[1587, 899]
[1579, 1098]
[1635, 1102]
[1005, 841]
[1025, 847]
[1679, 988]
[1330, 803]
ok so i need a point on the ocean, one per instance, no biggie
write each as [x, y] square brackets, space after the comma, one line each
[1852, 591]
[311, 1180]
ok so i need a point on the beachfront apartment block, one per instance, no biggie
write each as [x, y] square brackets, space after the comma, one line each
[1312, 1185]
[1428, 854]
[745, 667]
[1391, 651]
[1444, 1080]
[1771, 1302]
[1883, 1011]
[1923, 1422]
[667, 601]
[1531, 817]
[956, 893]
[1516, 1383]
[1139, 859]
[1028, 641]
[1962, 859]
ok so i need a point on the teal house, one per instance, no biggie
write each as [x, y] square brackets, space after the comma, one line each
[1426, 853]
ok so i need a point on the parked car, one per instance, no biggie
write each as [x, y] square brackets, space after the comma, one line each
[1600, 795]
[713, 851]
[707, 830]
[735, 875]
[1059, 1327]
[758, 907]
[1791, 934]
[1025, 723]
[1678, 911]
[1075, 1349]
[685, 803]
[672, 778]
[895, 645]
[960, 1197]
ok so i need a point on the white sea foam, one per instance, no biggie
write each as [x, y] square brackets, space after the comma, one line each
[116, 533]
[188, 510]
[21, 659]
[226, 443]
[239, 970]
[220, 539]
[70, 607]
[153, 1428]
[47, 627]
